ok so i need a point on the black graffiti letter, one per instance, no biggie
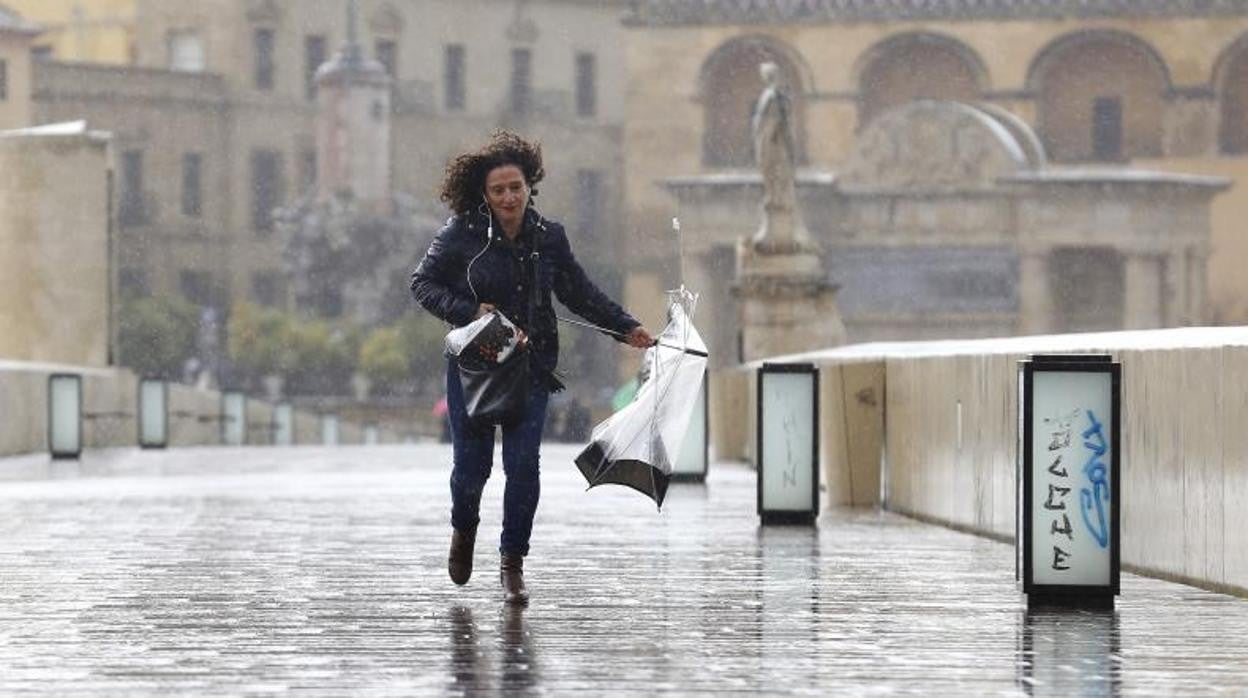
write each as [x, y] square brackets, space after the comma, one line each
[1064, 528]
[1059, 559]
[1061, 504]
[1060, 472]
[1059, 440]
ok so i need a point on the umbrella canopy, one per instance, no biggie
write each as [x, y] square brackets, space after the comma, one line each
[635, 445]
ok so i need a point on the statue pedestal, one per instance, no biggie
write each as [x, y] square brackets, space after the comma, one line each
[782, 233]
[787, 306]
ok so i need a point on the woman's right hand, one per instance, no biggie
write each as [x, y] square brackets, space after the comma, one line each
[483, 310]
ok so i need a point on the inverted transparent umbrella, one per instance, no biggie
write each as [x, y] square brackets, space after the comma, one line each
[634, 446]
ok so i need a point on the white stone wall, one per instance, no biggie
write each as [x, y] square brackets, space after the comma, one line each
[1184, 451]
[1184, 446]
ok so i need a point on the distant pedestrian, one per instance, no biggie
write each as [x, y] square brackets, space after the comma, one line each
[577, 418]
[483, 259]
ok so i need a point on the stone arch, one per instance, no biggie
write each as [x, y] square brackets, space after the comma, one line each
[917, 65]
[1100, 96]
[1230, 79]
[728, 86]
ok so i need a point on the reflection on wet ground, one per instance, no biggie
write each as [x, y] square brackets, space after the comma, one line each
[1069, 652]
[323, 571]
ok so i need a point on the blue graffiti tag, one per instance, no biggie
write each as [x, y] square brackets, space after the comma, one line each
[1094, 440]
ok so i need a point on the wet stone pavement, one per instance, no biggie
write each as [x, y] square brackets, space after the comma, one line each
[322, 571]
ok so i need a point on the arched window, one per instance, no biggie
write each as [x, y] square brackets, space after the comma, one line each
[730, 85]
[1232, 79]
[1100, 97]
[908, 67]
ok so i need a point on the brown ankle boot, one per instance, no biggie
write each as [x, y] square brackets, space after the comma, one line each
[459, 562]
[511, 574]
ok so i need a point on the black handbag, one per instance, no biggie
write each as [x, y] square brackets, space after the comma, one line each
[494, 371]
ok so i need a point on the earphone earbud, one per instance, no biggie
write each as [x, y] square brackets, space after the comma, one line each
[489, 212]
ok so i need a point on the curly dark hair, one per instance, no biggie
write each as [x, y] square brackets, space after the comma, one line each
[464, 181]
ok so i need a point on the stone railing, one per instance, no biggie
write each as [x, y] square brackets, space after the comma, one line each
[109, 415]
[941, 443]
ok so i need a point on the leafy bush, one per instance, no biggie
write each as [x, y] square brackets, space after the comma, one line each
[422, 338]
[382, 359]
[258, 340]
[157, 335]
[322, 358]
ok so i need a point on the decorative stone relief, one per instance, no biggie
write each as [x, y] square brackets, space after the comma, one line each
[934, 146]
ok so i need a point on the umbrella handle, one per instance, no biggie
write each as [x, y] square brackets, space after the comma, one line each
[613, 333]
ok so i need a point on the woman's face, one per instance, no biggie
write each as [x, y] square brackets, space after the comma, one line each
[507, 194]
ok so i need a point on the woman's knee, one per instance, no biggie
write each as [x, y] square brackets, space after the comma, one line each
[526, 467]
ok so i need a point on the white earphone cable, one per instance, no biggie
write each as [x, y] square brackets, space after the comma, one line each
[489, 238]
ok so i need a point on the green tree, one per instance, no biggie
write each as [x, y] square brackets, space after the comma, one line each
[422, 340]
[258, 342]
[322, 358]
[382, 359]
[157, 335]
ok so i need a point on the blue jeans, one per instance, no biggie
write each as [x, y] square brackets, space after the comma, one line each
[473, 446]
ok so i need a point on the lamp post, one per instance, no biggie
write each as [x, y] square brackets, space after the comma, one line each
[693, 457]
[284, 424]
[329, 429]
[1069, 479]
[153, 413]
[233, 418]
[65, 415]
[788, 443]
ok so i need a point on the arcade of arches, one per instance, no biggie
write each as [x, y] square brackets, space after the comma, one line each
[1096, 96]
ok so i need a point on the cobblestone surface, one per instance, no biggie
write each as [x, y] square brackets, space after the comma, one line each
[322, 571]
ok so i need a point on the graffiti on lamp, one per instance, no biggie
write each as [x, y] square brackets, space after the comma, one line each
[1094, 499]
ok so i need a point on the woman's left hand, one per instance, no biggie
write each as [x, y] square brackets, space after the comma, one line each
[640, 338]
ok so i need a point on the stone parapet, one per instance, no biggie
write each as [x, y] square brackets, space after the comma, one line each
[949, 448]
[110, 411]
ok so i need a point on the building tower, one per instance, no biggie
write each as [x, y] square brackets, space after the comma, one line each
[353, 129]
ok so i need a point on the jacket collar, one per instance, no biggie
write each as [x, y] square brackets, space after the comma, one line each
[479, 222]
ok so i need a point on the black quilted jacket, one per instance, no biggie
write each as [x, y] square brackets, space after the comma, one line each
[502, 274]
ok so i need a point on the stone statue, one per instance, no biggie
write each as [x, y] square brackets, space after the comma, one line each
[776, 155]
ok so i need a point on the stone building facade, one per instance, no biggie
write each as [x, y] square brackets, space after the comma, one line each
[16, 37]
[56, 243]
[946, 220]
[215, 120]
[1147, 85]
[90, 31]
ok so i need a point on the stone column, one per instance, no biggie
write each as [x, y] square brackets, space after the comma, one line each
[716, 313]
[1198, 289]
[1035, 297]
[787, 306]
[1142, 292]
[1174, 288]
